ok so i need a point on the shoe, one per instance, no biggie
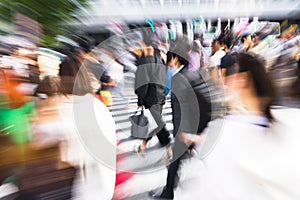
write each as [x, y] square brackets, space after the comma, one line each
[162, 196]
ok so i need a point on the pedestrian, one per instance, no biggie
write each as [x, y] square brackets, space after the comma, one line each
[256, 153]
[150, 83]
[190, 109]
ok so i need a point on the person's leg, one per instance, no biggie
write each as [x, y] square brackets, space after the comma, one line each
[161, 131]
[142, 147]
[179, 149]
[168, 191]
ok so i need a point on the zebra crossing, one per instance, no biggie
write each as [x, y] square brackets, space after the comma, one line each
[132, 167]
[152, 165]
[121, 111]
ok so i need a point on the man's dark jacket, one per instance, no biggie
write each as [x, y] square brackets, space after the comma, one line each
[191, 102]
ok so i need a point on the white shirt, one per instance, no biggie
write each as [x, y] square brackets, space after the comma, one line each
[215, 60]
[88, 134]
[177, 70]
[244, 160]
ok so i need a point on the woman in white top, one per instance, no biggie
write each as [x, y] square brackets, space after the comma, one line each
[249, 154]
[86, 128]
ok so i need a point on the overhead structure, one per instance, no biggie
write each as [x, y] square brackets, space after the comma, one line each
[131, 11]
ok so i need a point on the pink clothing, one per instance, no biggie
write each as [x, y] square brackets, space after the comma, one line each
[194, 61]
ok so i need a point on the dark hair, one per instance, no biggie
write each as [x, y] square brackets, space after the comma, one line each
[244, 36]
[179, 49]
[224, 40]
[181, 59]
[84, 43]
[228, 41]
[74, 77]
[263, 85]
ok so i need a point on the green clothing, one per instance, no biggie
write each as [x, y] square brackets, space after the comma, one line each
[16, 122]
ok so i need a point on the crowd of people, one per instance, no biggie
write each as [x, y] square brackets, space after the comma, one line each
[250, 153]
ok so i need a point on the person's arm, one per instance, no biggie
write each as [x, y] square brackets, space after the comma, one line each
[142, 79]
[190, 139]
[223, 72]
[187, 100]
[141, 84]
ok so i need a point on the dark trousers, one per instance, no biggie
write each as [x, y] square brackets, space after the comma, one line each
[179, 149]
[161, 132]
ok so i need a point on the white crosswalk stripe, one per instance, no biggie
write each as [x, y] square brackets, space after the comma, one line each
[121, 113]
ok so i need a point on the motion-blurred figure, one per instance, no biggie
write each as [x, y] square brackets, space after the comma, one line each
[195, 57]
[218, 52]
[116, 71]
[16, 116]
[69, 68]
[86, 130]
[246, 42]
[296, 85]
[16, 111]
[236, 163]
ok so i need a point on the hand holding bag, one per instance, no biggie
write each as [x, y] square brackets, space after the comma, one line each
[139, 125]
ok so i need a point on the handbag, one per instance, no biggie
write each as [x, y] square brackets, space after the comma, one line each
[139, 125]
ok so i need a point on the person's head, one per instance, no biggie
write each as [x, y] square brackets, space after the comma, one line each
[249, 78]
[74, 78]
[227, 42]
[258, 37]
[215, 45]
[178, 54]
[85, 45]
[218, 43]
[247, 40]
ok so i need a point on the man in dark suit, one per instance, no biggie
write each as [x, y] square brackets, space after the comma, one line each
[191, 110]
